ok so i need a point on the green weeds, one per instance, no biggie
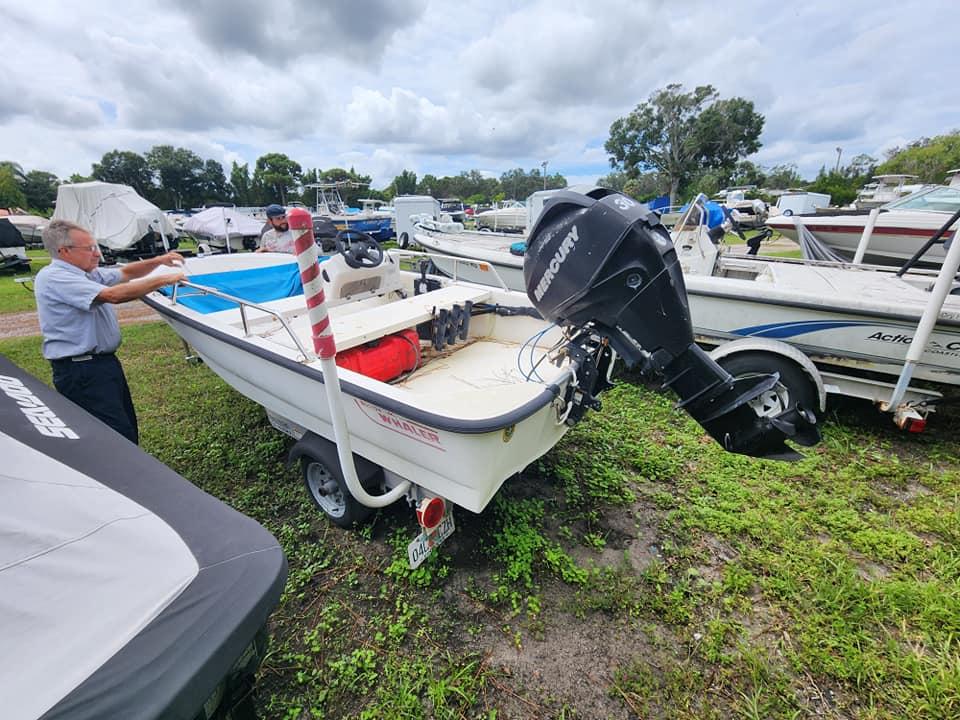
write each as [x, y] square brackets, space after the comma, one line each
[734, 587]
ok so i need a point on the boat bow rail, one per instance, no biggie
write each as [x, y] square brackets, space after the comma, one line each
[242, 305]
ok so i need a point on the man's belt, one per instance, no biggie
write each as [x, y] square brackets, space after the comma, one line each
[82, 358]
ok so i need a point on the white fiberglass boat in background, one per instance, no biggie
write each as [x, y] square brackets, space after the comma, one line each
[850, 329]
[511, 216]
[503, 251]
[224, 229]
[122, 222]
[444, 389]
[856, 323]
[449, 245]
[901, 227]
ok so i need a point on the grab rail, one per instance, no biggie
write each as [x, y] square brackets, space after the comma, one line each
[484, 265]
[243, 304]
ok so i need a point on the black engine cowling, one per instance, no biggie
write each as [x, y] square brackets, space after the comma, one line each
[603, 264]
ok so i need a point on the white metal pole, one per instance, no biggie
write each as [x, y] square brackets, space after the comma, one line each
[865, 237]
[928, 320]
[226, 230]
[301, 224]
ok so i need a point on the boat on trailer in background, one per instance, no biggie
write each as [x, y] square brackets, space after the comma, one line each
[330, 204]
[856, 330]
[401, 384]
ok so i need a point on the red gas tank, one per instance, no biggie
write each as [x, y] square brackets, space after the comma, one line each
[384, 359]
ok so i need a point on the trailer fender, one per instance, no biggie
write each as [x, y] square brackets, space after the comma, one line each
[312, 445]
[775, 347]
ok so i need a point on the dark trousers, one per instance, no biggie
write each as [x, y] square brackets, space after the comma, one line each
[99, 386]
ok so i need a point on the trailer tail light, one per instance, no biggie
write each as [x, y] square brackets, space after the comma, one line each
[430, 512]
[916, 425]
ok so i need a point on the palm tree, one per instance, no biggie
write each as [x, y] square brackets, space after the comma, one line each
[15, 169]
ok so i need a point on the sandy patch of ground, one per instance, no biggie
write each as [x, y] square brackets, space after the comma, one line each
[24, 324]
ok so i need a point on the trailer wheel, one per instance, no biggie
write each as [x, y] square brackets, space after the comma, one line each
[794, 388]
[329, 492]
[403, 241]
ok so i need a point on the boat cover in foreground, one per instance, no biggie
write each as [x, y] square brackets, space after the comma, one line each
[125, 591]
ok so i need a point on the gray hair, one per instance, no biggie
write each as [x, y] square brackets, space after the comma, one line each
[57, 235]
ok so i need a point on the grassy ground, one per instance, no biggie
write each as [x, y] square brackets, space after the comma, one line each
[14, 296]
[636, 571]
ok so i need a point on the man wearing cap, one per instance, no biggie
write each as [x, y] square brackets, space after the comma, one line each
[278, 237]
[80, 329]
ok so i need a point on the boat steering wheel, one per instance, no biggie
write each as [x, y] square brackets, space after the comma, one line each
[359, 249]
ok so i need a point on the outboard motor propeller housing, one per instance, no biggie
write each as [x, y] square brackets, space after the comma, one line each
[602, 264]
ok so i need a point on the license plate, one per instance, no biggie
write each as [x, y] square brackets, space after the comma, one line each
[426, 541]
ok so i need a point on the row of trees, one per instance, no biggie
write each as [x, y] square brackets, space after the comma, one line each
[173, 177]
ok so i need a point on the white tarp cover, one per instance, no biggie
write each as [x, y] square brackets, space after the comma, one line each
[83, 569]
[114, 214]
[215, 222]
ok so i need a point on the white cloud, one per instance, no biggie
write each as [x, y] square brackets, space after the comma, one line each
[439, 88]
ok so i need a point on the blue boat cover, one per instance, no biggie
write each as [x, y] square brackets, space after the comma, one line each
[257, 285]
[715, 213]
[659, 203]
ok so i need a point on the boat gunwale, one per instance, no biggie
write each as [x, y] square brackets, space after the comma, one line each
[732, 294]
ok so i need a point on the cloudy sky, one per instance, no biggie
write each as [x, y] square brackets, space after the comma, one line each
[441, 87]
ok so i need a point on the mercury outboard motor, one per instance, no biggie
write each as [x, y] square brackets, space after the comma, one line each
[603, 266]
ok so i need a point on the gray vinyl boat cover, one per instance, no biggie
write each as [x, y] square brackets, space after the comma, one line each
[125, 591]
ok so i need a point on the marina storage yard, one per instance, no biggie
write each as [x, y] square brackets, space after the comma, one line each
[457, 361]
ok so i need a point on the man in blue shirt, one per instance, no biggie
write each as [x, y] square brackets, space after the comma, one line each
[79, 325]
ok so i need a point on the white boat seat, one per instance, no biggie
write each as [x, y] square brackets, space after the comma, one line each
[361, 327]
[351, 329]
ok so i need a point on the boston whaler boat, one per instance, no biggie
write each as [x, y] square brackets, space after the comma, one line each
[401, 384]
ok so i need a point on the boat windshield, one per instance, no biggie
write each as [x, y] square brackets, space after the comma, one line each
[935, 199]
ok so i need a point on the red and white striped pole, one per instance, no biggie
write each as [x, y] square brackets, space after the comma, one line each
[301, 225]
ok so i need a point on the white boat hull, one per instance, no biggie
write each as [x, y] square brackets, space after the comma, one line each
[507, 219]
[723, 309]
[459, 427]
[484, 247]
[896, 236]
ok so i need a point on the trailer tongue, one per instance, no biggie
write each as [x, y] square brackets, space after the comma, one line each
[603, 267]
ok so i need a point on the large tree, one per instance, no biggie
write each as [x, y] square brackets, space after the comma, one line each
[11, 196]
[680, 134]
[126, 168]
[213, 183]
[180, 173]
[40, 190]
[783, 177]
[278, 174]
[517, 184]
[243, 191]
[405, 183]
[15, 169]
